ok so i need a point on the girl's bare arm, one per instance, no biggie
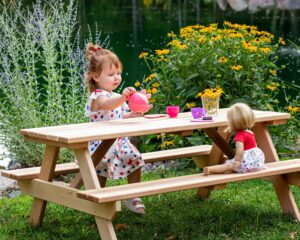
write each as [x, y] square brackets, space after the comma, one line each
[239, 150]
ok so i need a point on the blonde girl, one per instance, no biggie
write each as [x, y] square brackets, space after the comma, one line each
[248, 156]
[122, 160]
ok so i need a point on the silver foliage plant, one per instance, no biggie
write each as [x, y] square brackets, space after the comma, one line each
[41, 70]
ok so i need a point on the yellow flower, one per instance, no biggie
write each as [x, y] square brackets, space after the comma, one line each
[150, 77]
[177, 44]
[236, 67]
[137, 84]
[162, 52]
[186, 32]
[252, 49]
[256, 41]
[216, 38]
[143, 55]
[223, 60]
[273, 72]
[151, 100]
[190, 104]
[265, 39]
[171, 34]
[281, 40]
[154, 90]
[235, 35]
[167, 143]
[246, 44]
[273, 86]
[265, 50]
[211, 92]
[155, 85]
[202, 39]
[182, 46]
[293, 109]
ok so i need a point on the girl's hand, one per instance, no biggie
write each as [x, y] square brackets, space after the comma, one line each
[136, 114]
[127, 92]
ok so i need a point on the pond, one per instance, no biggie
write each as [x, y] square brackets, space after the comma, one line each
[135, 26]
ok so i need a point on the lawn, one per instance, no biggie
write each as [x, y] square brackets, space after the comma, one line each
[245, 210]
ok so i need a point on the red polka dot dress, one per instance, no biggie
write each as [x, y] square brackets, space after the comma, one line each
[122, 158]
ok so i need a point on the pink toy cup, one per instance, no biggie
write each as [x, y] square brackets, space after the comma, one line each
[172, 111]
[198, 112]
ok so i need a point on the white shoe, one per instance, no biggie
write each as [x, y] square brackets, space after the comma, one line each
[135, 205]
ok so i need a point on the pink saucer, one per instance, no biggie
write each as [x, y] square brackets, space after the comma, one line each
[201, 120]
[155, 115]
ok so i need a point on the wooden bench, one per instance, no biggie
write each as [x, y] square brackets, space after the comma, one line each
[116, 193]
[195, 152]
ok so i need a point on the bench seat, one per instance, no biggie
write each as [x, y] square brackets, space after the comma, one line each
[67, 168]
[115, 193]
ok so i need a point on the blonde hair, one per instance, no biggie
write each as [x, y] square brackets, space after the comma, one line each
[97, 56]
[240, 117]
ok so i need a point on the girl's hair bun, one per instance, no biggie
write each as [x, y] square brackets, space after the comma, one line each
[92, 49]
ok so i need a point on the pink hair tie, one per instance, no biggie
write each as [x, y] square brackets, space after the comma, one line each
[96, 49]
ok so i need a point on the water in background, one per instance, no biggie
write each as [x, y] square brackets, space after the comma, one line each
[135, 26]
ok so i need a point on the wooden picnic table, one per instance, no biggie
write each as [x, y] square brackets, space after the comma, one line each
[77, 136]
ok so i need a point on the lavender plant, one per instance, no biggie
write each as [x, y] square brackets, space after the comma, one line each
[41, 68]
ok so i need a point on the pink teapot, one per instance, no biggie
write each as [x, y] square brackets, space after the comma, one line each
[138, 102]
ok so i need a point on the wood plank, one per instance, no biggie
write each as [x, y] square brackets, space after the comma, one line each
[264, 141]
[220, 142]
[216, 156]
[87, 168]
[72, 167]
[184, 182]
[47, 173]
[67, 196]
[201, 161]
[33, 172]
[55, 143]
[293, 179]
[136, 127]
[177, 153]
[90, 179]
[106, 229]
[96, 158]
[280, 183]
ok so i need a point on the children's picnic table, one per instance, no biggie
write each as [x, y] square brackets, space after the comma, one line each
[104, 203]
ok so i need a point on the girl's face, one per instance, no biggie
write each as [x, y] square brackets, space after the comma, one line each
[109, 79]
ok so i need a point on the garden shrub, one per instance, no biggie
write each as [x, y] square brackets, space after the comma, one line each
[40, 73]
[240, 59]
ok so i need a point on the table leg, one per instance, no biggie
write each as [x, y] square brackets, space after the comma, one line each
[220, 145]
[47, 173]
[96, 157]
[90, 180]
[280, 183]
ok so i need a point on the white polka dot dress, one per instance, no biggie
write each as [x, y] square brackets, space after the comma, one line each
[253, 160]
[122, 158]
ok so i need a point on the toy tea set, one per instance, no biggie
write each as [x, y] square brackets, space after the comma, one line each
[138, 102]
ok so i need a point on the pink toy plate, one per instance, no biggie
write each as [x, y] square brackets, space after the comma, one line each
[155, 115]
[201, 120]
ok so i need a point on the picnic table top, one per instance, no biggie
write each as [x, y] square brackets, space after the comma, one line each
[84, 132]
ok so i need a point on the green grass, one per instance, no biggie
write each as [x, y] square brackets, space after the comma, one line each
[245, 210]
